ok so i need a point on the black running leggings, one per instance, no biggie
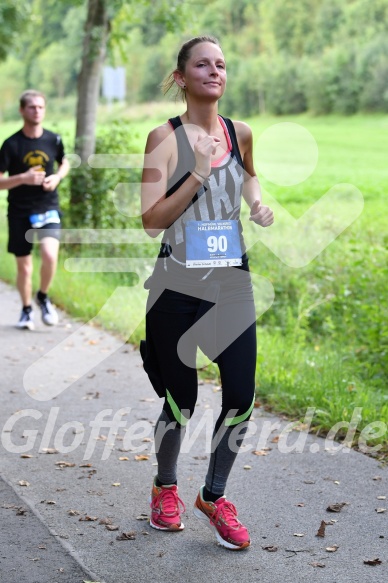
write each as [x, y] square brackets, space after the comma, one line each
[169, 319]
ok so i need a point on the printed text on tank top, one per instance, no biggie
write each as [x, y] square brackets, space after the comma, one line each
[219, 198]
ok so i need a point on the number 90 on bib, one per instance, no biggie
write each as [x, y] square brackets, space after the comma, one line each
[212, 244]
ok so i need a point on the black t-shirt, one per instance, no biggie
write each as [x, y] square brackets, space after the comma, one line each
[20, 153]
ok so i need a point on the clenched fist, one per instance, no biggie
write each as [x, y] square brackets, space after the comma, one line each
[260, 214]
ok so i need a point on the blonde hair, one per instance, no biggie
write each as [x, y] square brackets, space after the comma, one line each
[183, 56]
[30, 94]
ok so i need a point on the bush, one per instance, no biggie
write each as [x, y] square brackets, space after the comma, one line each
[373, 66]
[283, 86]
[332, 83]
[95, 188]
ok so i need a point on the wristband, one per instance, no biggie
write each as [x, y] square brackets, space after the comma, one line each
[200, 175]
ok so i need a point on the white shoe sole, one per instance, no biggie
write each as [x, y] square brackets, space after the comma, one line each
[206, 521]
[26, 326]
[52, 323]
[165, 528]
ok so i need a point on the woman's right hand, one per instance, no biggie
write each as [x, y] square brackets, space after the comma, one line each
[204, 148]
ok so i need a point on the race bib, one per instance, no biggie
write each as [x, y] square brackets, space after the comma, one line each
[212, 244]
[42, 219]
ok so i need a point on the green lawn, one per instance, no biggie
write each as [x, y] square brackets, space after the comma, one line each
[323, 343]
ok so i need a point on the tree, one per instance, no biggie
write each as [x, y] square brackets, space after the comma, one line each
[100, 14]
[13, 17]
[94, 51]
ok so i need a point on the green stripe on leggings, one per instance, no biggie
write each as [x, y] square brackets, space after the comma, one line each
[240, 418]
[181, 419]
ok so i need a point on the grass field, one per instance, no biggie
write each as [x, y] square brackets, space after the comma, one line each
[323, 343]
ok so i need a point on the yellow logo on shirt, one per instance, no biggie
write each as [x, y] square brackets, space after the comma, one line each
[36, 158]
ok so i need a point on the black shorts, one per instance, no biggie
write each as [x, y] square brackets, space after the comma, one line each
[17, 229]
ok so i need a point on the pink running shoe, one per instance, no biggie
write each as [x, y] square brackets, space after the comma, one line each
[166, 508]
[221, 516]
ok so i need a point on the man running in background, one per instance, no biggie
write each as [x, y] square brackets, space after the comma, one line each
[28, 157]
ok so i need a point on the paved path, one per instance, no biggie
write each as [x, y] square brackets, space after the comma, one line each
[91, 375]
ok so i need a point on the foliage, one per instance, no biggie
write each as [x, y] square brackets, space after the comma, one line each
[13, 18]
[96, 186]
[325, 56]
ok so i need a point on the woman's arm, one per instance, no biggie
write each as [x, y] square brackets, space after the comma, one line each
[260, 214]
[158, 211]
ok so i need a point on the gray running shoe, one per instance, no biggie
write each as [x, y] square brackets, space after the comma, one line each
[26, 321]
[49, 313]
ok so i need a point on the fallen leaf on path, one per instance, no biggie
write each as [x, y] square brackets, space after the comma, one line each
[321, 529]
[141, 458]
[142, 516]
[23, 483]
[337, 507]
[116, 484]
[124, 459]
[300, 427]
[88, 518]
[247, 467]
[332, 549]
[111, 527]
[316, 564]
[372, 562]
[26, 456]
[381, 497]
[298, 534]
[131, 535]
[270, 548]
[73, 512]
[63, 464]
[380, 510]
[263, 451]
[85, 466]
[105, 521]
[49, 450]
[377, 478]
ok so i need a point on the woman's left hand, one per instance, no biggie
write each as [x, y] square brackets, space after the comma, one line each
[262, 215]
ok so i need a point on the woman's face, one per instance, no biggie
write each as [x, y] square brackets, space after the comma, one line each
[205, 71]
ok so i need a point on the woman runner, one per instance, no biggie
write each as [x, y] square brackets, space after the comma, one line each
[196, 168]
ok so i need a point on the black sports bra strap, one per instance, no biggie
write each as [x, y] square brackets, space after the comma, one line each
[175, 122]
